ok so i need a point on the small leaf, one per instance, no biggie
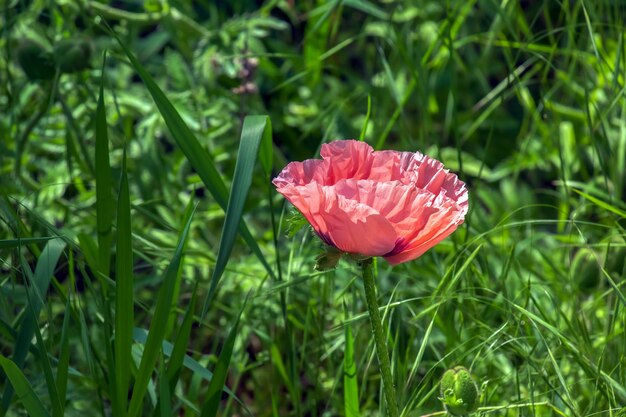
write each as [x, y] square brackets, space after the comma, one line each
[295, 222]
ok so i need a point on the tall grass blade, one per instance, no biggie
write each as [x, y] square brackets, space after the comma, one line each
[64, 355]
[420, 353]
[602, 204]
[177, 352]
[44, 270]
[367, 118]
[124, 303]
[44, 360]
[256, 129]
[164, 405]
[104, 228]
[216, 386]
[175, 364]
[84, 341]
[141, 336]
[366, 7]
[266, 148]
[279, 364]
[198, 157]
[104, 197]
[14, 243]
[158, 323]
[350, 383]
[176, 291]
[19, 383]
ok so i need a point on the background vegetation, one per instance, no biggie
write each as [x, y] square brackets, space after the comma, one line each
[524, 100]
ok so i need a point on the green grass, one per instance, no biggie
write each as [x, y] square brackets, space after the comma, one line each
[145, 264]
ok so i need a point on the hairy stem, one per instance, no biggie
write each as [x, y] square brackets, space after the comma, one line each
[382, 352]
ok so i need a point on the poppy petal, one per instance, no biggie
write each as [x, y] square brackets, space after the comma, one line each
[344, 223]
[388, 203]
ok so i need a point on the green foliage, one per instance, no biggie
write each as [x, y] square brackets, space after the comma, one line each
[72, 55]
[36, 62]
[105, 284]
[25, 392]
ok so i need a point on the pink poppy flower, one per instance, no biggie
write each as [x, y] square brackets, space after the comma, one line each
[375, 203]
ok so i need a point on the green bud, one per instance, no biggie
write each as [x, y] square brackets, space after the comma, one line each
[459, 392]
[36, 61]
[72, 55]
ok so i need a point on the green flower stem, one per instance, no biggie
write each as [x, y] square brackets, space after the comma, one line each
[379, 338]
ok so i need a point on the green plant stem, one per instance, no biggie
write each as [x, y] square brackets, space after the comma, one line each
[379, 338]
[179, 18]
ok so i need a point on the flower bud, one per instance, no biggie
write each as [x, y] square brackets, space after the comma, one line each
[459, 392]
[35, 60]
